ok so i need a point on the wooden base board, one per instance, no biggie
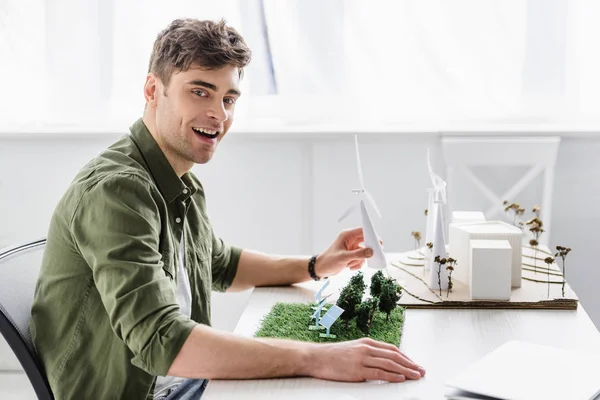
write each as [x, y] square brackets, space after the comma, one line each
[535, 291]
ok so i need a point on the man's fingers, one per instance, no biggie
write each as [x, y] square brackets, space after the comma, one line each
[408, 368]
[352, 237]
[376, 374]
[390, 347]
[392, 366]
[379, 344]
[353, 232]
[360, 253]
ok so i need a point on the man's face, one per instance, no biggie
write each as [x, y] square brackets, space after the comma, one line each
[194, 113]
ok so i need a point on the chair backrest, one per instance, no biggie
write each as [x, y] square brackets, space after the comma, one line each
[19, 269]
[539, 154]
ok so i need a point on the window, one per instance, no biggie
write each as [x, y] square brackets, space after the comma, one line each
[336, 63]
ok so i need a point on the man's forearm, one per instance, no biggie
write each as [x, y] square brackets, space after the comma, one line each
[257, 269]
[212, 354]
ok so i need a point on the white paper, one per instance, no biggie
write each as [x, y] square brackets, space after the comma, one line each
[378, 260]
[522, 370]
[439, 249]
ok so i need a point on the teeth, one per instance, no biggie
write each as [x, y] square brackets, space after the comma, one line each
[206, 131]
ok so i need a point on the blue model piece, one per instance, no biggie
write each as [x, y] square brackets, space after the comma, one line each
[329, 318]
[318, 294]
[317, 314]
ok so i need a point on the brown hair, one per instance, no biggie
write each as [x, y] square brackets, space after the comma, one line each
[209, 44]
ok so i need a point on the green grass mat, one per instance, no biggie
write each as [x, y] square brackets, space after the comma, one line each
[291, 321]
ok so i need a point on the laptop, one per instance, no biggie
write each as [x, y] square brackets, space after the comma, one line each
[526, 371]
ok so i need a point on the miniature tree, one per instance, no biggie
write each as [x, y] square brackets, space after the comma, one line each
[390, 294]
[549, 261]
[349, 298]
[376, 282]
[450, 268]
[562, 252]
[358, 281]
[417, 236]
[365, 313]
[440, 262]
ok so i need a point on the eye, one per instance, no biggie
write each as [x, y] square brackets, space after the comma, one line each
[229, 100]
[200, 93]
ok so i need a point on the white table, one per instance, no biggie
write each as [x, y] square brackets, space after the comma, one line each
[444, 342]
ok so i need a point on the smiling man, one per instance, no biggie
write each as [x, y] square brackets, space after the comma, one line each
[122, 304]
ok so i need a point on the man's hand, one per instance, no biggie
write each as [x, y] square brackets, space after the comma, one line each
[360, 360]
[345, 251]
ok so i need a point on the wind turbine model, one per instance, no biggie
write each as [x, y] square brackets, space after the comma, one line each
[437, 199]
[371, 240]
[320, 303]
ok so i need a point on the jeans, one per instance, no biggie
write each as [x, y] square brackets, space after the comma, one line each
[190, 389]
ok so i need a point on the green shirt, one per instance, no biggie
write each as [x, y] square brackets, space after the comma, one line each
[105, 319]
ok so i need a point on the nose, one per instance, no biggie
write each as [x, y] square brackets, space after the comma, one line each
[217, 111]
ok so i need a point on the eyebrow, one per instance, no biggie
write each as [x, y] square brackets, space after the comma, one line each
[198, 82]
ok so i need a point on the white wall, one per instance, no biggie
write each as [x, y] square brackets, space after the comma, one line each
[284, 193]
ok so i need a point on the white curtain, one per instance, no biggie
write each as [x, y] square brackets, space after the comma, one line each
[335, 63]
[583, 78]
[22, 62]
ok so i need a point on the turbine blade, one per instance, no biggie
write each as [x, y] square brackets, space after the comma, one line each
[360, 171]
[371, 200]
[438, 183]
[348, 212]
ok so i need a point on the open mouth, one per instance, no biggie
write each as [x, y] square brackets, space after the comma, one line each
[207, 133]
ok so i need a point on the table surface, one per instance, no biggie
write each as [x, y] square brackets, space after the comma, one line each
[444, 342]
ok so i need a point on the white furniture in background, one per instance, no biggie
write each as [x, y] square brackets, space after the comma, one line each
[444, 342]
[490, 277]
[463, 154]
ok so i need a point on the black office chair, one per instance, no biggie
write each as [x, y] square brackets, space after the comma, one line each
[19, 269]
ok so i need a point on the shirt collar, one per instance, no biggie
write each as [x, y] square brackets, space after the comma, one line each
[169, 184]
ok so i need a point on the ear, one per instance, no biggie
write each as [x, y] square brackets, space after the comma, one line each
[151, 88]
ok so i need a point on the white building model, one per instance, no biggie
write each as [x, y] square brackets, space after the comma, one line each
[488, 254]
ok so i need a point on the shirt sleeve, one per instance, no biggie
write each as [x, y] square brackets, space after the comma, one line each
[225, 259]
[116, 227]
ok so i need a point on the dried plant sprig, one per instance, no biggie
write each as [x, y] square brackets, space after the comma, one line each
[535, 222]
[426, 212]
[440, 261]
[562, 252]
[450, 268]
[515, 208]
[535, 227]
[430, 245]
[549, 261]
[417, 236]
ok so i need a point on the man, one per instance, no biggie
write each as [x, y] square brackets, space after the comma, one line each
[122, 305]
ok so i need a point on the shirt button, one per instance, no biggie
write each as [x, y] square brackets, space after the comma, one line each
[178, 220]
[185, 191]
